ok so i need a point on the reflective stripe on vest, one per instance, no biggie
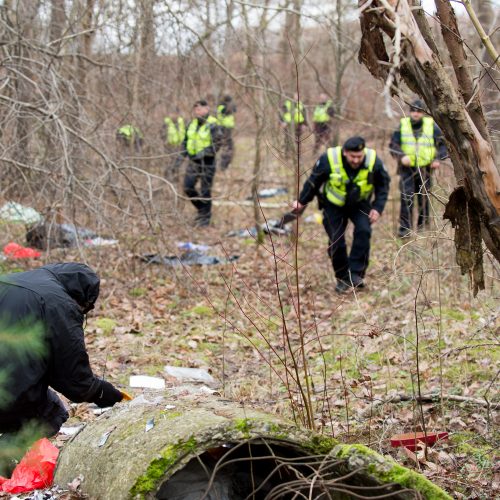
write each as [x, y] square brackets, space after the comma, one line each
[175, 133]
[226, 121]
[321, 112]
[298, 112]
[336, 187]
[198, 138]
[421, 151]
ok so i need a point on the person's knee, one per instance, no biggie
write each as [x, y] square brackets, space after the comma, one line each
[363, 230]
[189, 189]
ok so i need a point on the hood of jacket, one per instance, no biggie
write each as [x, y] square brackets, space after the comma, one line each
[80, 282]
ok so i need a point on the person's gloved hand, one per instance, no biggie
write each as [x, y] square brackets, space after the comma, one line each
[107, 395]
[126, 396]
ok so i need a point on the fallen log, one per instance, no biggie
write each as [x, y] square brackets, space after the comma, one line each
[194, 447]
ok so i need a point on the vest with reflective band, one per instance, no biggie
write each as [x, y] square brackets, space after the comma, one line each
[130, 132]
[175, 133]
[336, 187]
[226, 121]
[297, 108]
[199, 138]
[321, 112]
[421, 151]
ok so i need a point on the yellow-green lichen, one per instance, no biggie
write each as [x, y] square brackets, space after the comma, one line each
[169, 456]
[386, 471]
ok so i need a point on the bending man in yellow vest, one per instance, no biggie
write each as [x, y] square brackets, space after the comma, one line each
[345, 179]
[201, 142]
[323, 121]
[225, 118]
[173, 132]
[418, 145]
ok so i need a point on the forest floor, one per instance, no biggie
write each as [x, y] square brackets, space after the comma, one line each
[415, 328]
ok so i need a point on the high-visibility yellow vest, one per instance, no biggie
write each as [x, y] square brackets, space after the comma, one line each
[336, 187]
[175, 133]
[199, 138]
[321, 112]
[130, 132]
[296, 109]
[421, 151]
[227, 121]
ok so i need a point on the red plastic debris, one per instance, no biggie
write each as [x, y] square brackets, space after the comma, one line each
[16, 251]
[410, 440]
[34, 471]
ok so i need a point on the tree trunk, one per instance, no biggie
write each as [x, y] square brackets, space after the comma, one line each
[472, 154]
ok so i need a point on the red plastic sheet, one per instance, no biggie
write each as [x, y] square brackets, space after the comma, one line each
[16, 251]
[34, 471]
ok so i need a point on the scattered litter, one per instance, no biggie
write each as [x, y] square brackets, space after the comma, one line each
[141, 400]
[150, 424]
[410, 440]
[316, 217]
[189, 374]
[15, 251]
[187, 259]
[170, 407]
[71, 430]
[270, 192]
[147, 382]
[272, 227]
[100, 411]
[15, 212]
[34, 471]
[45, 235]
[105, 437]
[188, 246]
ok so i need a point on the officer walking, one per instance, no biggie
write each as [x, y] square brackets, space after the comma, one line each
[173, 132]
[293, 121]
[201, 142]
[323, 121]
[225, 118]
[418, 145]
[345, 179]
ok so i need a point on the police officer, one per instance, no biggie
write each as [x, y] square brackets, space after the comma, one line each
[293, 121]
[418, 145]
[173, 132]
[322, 119]
[225, 118]
[201, 142]
[345, 179]
[130, 136]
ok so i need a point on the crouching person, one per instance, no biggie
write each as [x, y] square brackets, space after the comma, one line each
[42, 347]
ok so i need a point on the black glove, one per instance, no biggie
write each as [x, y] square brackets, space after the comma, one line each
[107, 395]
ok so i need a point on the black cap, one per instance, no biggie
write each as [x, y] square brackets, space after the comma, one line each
[417, 105]
[356, 143]
[201, 102]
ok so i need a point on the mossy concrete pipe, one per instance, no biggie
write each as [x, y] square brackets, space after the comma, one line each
[131, 450]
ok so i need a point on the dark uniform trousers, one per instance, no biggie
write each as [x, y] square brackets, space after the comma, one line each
[414, 182]
[335, 221]
[203, 171]
[322, 135]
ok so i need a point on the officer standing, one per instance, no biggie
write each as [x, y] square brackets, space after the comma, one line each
[345, 180]
[130, 136]
[322, 119]
[201, 142]
[225, 118]
[418, 145]
[173, 132]
[293, 121]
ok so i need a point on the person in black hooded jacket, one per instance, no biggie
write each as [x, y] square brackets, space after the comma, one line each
[51, 300]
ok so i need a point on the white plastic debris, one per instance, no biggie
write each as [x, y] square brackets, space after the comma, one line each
[15, 212]
[71, 430]
[141, 400]
[189, 374]
[147, 382]
[150, 424]
[105, 437]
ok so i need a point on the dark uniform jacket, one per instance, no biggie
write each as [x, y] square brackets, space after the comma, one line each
[321, 173]
[47, 301]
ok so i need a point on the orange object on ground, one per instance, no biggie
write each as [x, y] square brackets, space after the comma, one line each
[16, 251]
[34, 471]
[410, 440]
[126, 396]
